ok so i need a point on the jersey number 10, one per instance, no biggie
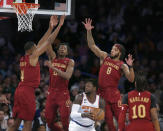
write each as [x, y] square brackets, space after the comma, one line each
[140, 109]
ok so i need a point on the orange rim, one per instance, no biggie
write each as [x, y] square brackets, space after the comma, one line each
[22, 8]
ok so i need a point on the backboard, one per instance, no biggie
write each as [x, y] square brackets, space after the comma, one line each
[47, 7]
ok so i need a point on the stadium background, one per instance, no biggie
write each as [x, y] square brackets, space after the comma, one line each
[137, 24]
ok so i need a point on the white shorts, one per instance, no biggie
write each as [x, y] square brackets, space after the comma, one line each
[75, 127]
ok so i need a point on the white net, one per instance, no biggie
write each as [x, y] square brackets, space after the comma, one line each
[25, 15]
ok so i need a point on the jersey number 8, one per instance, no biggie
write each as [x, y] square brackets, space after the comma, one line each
[108, 70]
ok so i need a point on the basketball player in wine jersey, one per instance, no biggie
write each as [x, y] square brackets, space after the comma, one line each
[141, 105]
[61, 69]
[24, 99]
[111, 70]
[81, 119]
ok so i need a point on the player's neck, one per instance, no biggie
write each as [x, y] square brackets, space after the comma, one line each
[115, 58]
[91, 97]
[61, 57]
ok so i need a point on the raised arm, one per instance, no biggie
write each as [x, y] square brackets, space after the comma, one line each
[128, 70]
[50, 52]
[53, 22]
[66, 75]
[91, 43]
[44, 46]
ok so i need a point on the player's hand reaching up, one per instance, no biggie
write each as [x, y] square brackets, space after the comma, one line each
[88, 24]
[129, 60]
[62, 19]
[53, 21]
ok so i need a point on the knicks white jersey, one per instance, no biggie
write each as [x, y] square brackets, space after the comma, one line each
[86, 106]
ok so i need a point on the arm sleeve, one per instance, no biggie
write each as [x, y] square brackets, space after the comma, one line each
[153, 101]
[125, 99]
[74, 111]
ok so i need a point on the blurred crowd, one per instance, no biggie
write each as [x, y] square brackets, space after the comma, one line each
[136, 24]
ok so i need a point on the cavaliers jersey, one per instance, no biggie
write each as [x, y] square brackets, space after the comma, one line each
[110, 73]
[56, 81]
[30, 75]
[139, 104]
[86, 106]
[109, 76]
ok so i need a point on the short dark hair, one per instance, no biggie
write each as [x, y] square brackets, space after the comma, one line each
[28, 45]
[122, 50]
[141, 81]
[93, 81]
[66, 44]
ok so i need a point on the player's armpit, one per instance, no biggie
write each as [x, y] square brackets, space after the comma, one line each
[154, 118]
[129, 73]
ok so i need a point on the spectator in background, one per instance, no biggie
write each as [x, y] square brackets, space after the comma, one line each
[10, 123]
[3, 99]
[74, 90]
[3, 122]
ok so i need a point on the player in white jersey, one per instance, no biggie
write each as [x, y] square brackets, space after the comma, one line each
[81, 119]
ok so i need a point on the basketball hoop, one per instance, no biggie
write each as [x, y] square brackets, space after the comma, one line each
[25, 13]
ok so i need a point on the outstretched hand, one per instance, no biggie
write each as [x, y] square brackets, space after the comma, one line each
[88, 24]
[130, 60]
[53, 21]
